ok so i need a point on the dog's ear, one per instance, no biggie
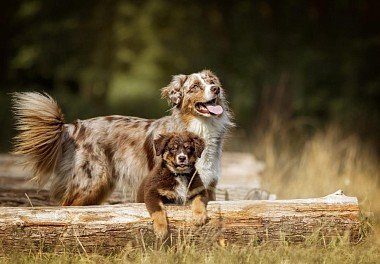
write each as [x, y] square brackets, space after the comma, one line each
[208, 73]
[211, 76]
[174, 92]
[160, 144]
[199, 144]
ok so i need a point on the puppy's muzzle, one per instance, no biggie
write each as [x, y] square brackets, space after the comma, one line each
[182, 159]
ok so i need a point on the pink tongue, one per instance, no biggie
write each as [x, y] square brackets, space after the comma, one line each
[215, 109]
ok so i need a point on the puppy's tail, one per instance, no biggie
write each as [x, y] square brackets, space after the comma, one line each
[39, 121]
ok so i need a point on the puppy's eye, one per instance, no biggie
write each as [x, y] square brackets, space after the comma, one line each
[212, 82]
[189, 149]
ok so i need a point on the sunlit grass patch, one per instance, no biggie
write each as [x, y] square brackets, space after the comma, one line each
[334, 252]
[299, 167]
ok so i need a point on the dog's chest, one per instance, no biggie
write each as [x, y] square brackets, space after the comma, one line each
[212, 132]
[181, 189]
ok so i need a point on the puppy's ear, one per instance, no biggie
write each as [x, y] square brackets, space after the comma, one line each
[160, 144]
[174, 92]
[199, 144]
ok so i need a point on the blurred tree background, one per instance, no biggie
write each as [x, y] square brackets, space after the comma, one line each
[308, 63]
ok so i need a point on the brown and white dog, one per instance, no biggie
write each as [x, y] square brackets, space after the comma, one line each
[174, 179]
[89, 157]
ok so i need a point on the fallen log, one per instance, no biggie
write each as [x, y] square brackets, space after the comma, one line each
[109, 228]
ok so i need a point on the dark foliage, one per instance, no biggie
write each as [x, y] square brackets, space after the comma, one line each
[310, 61]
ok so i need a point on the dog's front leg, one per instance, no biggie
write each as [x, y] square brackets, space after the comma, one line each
[198, 208]
[157, 212]
[211, 190]
[208, 167]
[199, 202]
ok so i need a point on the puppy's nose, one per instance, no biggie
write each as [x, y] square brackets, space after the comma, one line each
[182, 158]
[215, 89]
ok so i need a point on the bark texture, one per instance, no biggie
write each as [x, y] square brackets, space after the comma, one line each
[110, 228]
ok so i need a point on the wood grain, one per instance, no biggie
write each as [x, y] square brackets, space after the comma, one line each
[110, 228]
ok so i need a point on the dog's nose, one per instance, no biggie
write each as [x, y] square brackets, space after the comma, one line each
[215, 89]
[182, 158]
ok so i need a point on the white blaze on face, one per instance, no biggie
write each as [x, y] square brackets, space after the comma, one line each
[212, 107]
[208, 94]
[182, 158]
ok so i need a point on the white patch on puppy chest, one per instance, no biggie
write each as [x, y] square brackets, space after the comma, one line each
[181, 189]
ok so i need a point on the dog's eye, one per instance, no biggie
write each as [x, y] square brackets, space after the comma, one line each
[212, 82]
[194, 88]
[189, 149]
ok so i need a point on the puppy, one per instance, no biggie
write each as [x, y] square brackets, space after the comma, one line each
[87, 158]
[174, 179]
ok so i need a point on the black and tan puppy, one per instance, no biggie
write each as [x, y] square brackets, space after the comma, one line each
[174, 179]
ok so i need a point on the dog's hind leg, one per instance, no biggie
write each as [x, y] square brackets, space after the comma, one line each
[93, 194]
[92, 182]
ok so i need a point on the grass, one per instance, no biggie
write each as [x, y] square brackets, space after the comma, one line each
[332, 253]
[307, 167]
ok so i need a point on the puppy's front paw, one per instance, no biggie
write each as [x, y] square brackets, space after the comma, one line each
[199, 211]
[160, 225]
[199, 218]
[160, 230]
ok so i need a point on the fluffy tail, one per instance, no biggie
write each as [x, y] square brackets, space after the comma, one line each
[40, 123]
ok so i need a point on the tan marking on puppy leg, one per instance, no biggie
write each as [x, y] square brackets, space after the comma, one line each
[199, 211]
[160, 224]
[167, 193]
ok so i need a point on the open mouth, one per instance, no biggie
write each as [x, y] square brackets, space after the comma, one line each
[209, 108]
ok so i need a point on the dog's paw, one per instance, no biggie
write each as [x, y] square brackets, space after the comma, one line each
[199, 218]
[160, 224]
[160, 229]
[199, 210]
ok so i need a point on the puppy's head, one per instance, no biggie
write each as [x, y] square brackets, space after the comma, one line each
[179, 151]
[196, 94]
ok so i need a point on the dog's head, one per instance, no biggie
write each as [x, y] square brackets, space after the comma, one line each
[179, 151]
[196, 94]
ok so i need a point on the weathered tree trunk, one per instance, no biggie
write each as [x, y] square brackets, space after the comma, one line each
[109, 228]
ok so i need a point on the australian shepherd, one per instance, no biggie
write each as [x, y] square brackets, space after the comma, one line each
[87, 158]
[174, 180]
